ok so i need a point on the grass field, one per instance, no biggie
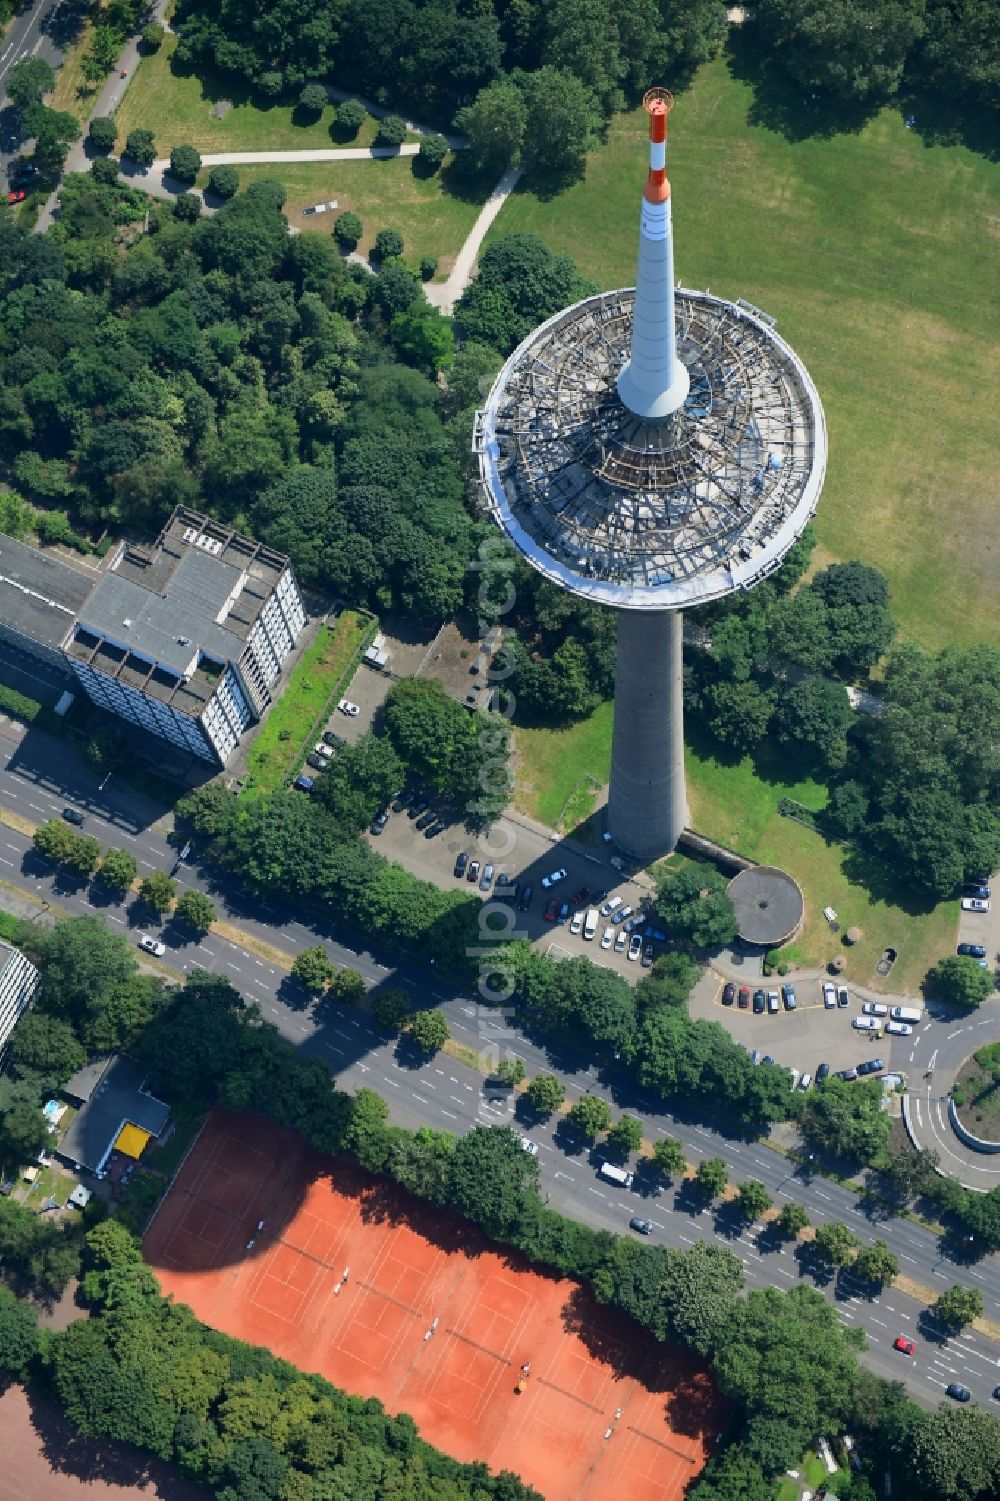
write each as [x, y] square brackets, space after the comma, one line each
[876, 253]
[314, 683]
[72, 93]
[385, 194]
[177, 108]
[737, 804]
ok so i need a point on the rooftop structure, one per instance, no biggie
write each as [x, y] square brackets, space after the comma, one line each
[648, 449]
[119, 1100]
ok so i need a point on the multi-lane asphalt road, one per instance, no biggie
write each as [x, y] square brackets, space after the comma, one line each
[44, 30]
[37, 779]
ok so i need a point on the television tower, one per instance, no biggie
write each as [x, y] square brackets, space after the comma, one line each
[651, 448]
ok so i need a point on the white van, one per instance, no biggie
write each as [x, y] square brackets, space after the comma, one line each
[905, 1014]
[613, 1174]
[867, 1024]
[590, 927]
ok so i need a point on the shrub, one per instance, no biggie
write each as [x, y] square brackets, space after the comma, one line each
[223, 182]
[187, 207]
[271, 84]
[104, 169]
[152, 36]
[140, 147]
[347, 230]
[428, 266]
[391, 131]
[103, 133]
[351, 115]
[388, 244]
[433, 150]
[185, 163]
[313, 99]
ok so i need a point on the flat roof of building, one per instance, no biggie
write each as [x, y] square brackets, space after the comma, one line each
[40, 596]
[119, 1097]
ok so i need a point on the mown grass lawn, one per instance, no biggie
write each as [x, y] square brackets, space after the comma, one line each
[385, 194]
[315, 681]
[879, 256]
[177, 107]
[736, 802]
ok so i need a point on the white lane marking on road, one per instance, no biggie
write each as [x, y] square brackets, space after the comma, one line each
[821, 1195]
[597, 1191]
[449, 1113]
[116, 919]
[881, 1322]
[419, 1097]
[568, 1176]
[231, 965]
[429, 1085]
[939, 1274]
[5, 861]
[908, 1258]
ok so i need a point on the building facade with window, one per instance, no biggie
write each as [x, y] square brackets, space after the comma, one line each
[18, 982]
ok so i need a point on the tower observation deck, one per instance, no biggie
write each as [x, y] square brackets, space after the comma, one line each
[648, 449]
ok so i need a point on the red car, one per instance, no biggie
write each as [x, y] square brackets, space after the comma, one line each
[743, 1000]
[904, 1345]
[16, 195]
[580, 897]
[551, 909]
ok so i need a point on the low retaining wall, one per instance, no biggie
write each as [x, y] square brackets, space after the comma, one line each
[717, 853]
[963, 1133]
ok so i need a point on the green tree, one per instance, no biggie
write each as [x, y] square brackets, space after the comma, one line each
[959, 979]
[791, 1219]
[83, 965]
[23, 1131]
[738, 713]
[422, 337]
[313, 969]
[699, 1290]
[223, 182]
[492, 1177]
[366, 1131]
[28, 80]
[851, 50]
[958, 1306]
[46, 1046]
[813, 716]
[695, 906]
[53, 840]
[562, 122]
[520, 283]
[388, 244]
[956, 1454]
[847, 1119]
[195, 910]
[834, 1243]
[753, 1199]
[140, 147]
[151, 36]
[313, 99]
[348, 987]
[433, 150]
[668, 1157]
[429, 1031]
[391, 132]
[185, 162]
[626, 1134]
[347, 230]
[118, 870]
[103, 133]
[83, 854]
[546, 1093]
[712, 1176]
[510, 1071]
[157, 892]
[391, 1008]
[590, 1115]
[496, 124]
[351, 115]
[18, 1334]
[668, 983]
[876, 1263]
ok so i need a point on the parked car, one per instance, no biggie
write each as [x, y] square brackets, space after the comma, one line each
[623, 916]
[553, 878]
[581, 898]
[871, 1066]
[576, 926]
[486, 879]
[472, 874]
[974, 950]
[529, 1146]
[843, 999]
[759, 1002]
[866, 1024]
[620, 943]
[402, 802]
[611, 905]
[847, 1074]
[434, 829]
[772, 1002]
[607, 937]
[805, 1081]
[634, 947]
[16, 195]
[506, 887]
[302, 783]
[755, 1056]
[563, 913]
[648, 955]
[974, 904]
[524, 900]
[794, 1074]
[829, 996]
[788, 997]
[152, 946]
[425, 820]
[323, 749]
[728, 994]
[332, 739]
[346, 707]
[976, 888]
[379, 822]
[874, 1008]
[767, 1058]
[461, 861]
[316, 762]
[958, 1392]
[551, 909]
[898, 1029]
[417, 809]
[822, 1072]
[743, 998]
[903, 1345]
[73, 815]
[644, 1227]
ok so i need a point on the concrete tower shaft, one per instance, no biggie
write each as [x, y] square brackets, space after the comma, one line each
[654, 383]
[647, 798]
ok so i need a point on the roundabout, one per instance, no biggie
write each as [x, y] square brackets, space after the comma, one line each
[934, 1065]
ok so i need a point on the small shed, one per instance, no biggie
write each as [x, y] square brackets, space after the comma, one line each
[80, 1197]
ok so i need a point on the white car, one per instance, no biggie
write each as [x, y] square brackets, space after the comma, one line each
[152, 946]
[529, 1146]
[346, 707]
[607, 938]
[553, 878]
[794, 1074]
[635, 946]
[620, 943]
[898, 1029]
[322, 749]
[829, 996]
[805, 1081]
[611, 905]
[974, 904]
[576, 926]
[874, 1008]
[866, 1024]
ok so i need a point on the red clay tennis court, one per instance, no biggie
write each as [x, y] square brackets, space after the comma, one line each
[357, 1280]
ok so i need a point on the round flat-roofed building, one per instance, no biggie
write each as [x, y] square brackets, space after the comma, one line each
[768, 905]
[648, 449]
